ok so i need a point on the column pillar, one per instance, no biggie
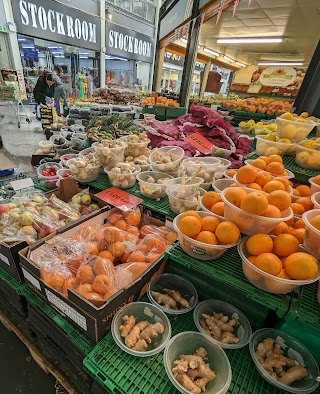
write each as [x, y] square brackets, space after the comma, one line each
[158, 71]
[205, 79]
[103, 43]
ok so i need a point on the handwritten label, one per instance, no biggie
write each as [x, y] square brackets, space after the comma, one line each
[119, 198]
[200, 143]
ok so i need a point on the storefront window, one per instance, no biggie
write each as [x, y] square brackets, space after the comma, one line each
[143, 8]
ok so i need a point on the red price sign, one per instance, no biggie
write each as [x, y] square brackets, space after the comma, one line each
[200, 143]
[119, 198]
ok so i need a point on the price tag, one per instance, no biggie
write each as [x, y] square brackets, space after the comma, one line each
[200, 142]
[22, 184]
[119, 198]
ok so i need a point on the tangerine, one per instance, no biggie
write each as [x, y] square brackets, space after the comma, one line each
[315, 222]
[252, 259]
[285, 181]
[235, 195]
[85, 274]
[132, 218]
[272, 212]
[155, 245]
[112, 234]
[254, 186]
[259, 243]
[280, 199]
[121, 224]
[304, 190]
[92, 248]
[207, 237]
[301, 266]
[227, 233]
[290, 221]
[54, 280]
[265, 159]
[191, 213]
[299, 234]
[133, 230]
[117, 249]
[209, 223]
[263, 177]
[305, 202]
[285, 244]
[283, 275]
[246, 174]
[89, 233]
[276, 168]
[297, 208]
[210, 198]
[101, 283]
[295, 192]
[299, 224]
[102, 266]
[281, 228]
[255, 203]
[218, 208]
[259, 163]
[316, 180]
[275, 159]
[136, 257]
[272, 186]
[231, 173]
[190, 226]
[137, 269]
[270, 263]
[114, 216]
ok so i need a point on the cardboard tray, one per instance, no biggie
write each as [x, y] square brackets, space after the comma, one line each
[93, 321]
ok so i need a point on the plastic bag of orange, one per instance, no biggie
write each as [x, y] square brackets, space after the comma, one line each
[123, 220]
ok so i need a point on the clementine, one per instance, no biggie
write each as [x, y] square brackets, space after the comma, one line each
[235, 195]
[299, 224]
[114, 216]
[269, 262]
[190, 226]
[273, 185]
[281, 228]
[280, 199]
[275, 159]
[283, 275]
[263, 177]
[209, 223]
[121, 224]
[254, 186]
[285, 181]
[117, 249]
[272, 212]
[259, 243]
[301, 266]
[227, 233]
[255, 203]
[297, 208]
[276, 168]
[315, 222]
[304, 190]
[210, 198]
[285, 244]
[259, 163]
[299, 234]
[207, 237]
[305, 202]
[295, 192]
[102, 266]
[246, 174]
[136, 257]
[218, 208]
[85, 274]
[132, 218]
[191, 213]
[101, 283]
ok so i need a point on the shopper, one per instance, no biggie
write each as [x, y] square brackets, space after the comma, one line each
[59, 90]
[44, 88]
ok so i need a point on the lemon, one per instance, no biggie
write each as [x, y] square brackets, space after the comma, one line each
[301, 133]
[272, 151]
[314, 161]
[284, 141]
[317, 141]
[304, 115]
[302, 157]
[301, 120]
[288, 131]
[251, 122]
[242, 124]
[287, 116]
[259, 124]
[295, 115]
[270, 137]
[272, 127]
[310, 144]
[261, 148]
[313, 118]
[291, 150]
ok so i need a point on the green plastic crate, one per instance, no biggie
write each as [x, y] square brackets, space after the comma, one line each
[154, 109]
[42, 188]
[79, 339]
[172, 113]
[120, 373]
[228, 269]
[16, 286]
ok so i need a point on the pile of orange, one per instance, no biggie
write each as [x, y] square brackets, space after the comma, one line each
[208, 230]
[272, 164]
[280, 257]
[213, 202]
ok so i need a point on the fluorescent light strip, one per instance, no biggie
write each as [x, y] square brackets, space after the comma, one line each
[280, 64]
[211, 51]
[28, 47]
[84, 53]
[247, 40]
[22, 39]
[241, 64]
[228, 58]
[83, 57]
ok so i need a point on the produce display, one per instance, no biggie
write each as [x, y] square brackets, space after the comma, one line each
[136, 144]
[114, 94]
[257, 128]
[260, 105]
[193, 372]
[110, 153]
[152, 184]
[170, 299]
[85, 168]
[123, 175]
[219, 327]
[160, 101]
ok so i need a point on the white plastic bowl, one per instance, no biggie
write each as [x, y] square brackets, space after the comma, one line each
[267, 282]
[249, 223]
[290, 175]
[167, 167]
[221, 184]
[187, 343]
[312, 235]
[308, 158]
[65, 158]
[142, 311]
[152, 190]
[242, 330]
[265, 147]
[57, 137]
[295, 350]
[45, 146]
[205, 167]
[86, 174]
[293, 130]
[179, 205]
[200, 250]
[313, 186]
[176, 189]
[228, 176]
[134, 148]
[63, 171]
[315, 198]
[173, 282]
[123, 181]
[86, 151]
[205, 209]
[109, 157]
[222, 167]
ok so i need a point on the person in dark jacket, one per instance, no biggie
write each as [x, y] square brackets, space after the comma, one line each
[50, 85]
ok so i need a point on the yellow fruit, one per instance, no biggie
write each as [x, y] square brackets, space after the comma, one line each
[304, 115]
[288, 131]
[272, 151]
[287, 116]
[301, 120]
[284, 141]
[317, 141]
[314, 161]
[302, 157]
[242, 124]
[310, 144]
[270, 137]
[301, 133]
[272, 126]
[261, 148]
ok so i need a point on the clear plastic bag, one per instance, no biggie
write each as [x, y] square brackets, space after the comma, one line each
[82, 203]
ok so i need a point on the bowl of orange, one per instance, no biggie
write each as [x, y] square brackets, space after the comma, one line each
[315, 184]
[315, 198]
[255, 211]
[275, 168]
[277, 264]
[202, 236]
[312, 234]
[212, 203]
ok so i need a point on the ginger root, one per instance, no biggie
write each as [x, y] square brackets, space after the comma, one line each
[128, 324]
[178, 298]
[219, 327]
[132, 338]
[147, 335]
[278, 366]
[171, 300]
[192, 372]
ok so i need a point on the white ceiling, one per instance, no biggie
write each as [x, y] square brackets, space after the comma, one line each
[297, 21]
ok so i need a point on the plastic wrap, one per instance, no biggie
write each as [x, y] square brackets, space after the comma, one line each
[82, 202]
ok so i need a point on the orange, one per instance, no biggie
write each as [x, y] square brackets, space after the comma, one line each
[85, 274]
[114, 216]
[306, 202]
[227, 233]
[272, 212]
[207, 237]
[89, 233]
[259, 163]
[105, 254]
[304, 190]
[276, 168]
[281, 228]
[137, 269]
[155, 245]
[283, 260]
[101, 283]
[301, 266]
[231, 173]
[53, 279]
[290, 221]
[299, 224]
[285, 244]
[102, 265]
[74, 263]
[132, 218]
[112, 234]
[280, 199]
[254, 186]
[69, 283]
[263, 177]
[283, 275]
[189, 213]
[153, 257]
[255, 202]
[273, 185]
[92, 248]
[133, 230]
[218, 208]
[297, 208]
[315, 222]
[275, 159]
[136, 257]
[285, 181]
[299, 234]
[259, 243]
[209, 223]
[190, 226]
[117, 249]
[296, 193]
[246, 174]
[235, 195]
[210, 198]
[265, 159]
[269, 262]
[316, 180]
[121, 224]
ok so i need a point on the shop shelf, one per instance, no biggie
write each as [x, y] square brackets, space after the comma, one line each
[301, 174]
[16, 286]
[119, 373]
[228, 269]
[79, 339]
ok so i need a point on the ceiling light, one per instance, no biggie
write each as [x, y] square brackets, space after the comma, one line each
[83, 53]
[280, 64]
[228, 58]
[28, 47]
[183, 40]
[211, 51]
[21, 39]
[83, 57]
[241, 64]
[247, 40]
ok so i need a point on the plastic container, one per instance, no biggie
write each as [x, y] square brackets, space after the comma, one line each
[142, 311]
[222, 167]
[205, 209]
[108, 155]
[152, 190]
[248, 189]
[228, 176]
[54, 138]
[187, 343]
[204, 167]
[45, 146]
[186, 191]
[173, 282]
[85, 174]
[242, 329]
[265, 281]
[313, 186]
[62, 172]
[123, 181]
[249, 223]
[265, 147]
[312, 235]
[67, 134]
[78, 140]
[295, 350]
[293, 130]
[200, 250]
[171, 167]
[308, 158]
[221, 184]
[134, 148]
[65, 158]
[48, 181]
[315, 198]
[178, 205]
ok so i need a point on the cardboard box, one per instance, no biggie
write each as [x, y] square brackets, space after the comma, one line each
[38, 155]
[93, 321]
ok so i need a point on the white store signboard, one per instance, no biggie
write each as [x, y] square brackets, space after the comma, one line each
[278, 76]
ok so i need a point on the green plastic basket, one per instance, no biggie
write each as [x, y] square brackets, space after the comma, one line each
[119, 373]
[42, 188]
[79, 339]
[228, 269]
[16, 286]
